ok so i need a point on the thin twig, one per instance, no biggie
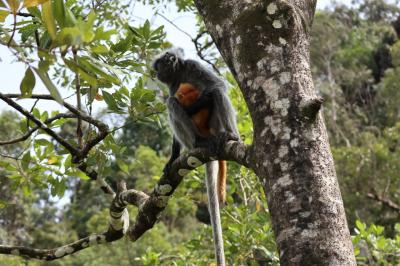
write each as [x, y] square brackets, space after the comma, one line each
[79, 132]
[13, 30]
[173, 24]
[22, 14]
[8, 156]
[244, 192]
[199, 48]
[33, 107]
[385, 201]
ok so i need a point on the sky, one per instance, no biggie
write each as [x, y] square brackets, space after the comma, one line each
[12, 72]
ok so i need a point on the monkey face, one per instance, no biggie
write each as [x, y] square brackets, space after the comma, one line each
[166, 67]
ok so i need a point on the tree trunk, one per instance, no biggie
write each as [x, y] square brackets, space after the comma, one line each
[266, 46]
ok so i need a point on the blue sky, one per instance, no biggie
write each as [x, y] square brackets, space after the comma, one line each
[12, 72]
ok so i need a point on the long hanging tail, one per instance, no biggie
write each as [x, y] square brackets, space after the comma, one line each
[213, 207]
[222, 182]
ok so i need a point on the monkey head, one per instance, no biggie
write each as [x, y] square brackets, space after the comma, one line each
[168, 64]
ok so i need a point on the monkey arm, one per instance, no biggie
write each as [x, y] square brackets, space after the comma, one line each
[184, 129]
[205, 100]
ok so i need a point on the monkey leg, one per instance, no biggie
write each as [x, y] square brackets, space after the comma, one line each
[184, 129]
[175, 151]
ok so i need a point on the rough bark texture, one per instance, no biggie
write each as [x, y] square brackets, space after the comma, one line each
[266, 46]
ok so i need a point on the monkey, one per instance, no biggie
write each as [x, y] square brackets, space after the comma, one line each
[187, 96]
[200, 115]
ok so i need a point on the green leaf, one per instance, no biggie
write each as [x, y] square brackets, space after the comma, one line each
[88, 64]
[28, 31]
[70, 17]
[45, 40]
[123, 166]
[3, 15]
[44, 65]
[146, 29]
[81, 175]
[57, 187]
[35, 12]
[100, 34]
[92, 93]
[26, 190]
[83, 73]
[63, 15]
[68, 161]
[32, 3]
[44, 116]
[69, 36]
[60, 13]
[26, 159]
[109, 99]
[360, 225]
[28, 83]
[90, 19]
[49, 85]
[42, 142]
[100, 49]
[48, 19]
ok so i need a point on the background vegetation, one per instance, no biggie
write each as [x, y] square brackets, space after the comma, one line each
[356, 66]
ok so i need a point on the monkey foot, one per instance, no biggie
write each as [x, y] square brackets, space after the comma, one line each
[216, 143]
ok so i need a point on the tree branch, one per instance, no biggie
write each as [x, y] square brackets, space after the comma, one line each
[149, 206]
[102, 127]
[385, 201]
[32, 130]
[27, 15]
[71, 108]
[39, 123]
[78, 154]
[118, 225]
[165, 187]
[104, 186]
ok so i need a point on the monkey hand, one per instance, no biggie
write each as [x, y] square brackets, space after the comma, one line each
[173, 104]
[221, 139]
